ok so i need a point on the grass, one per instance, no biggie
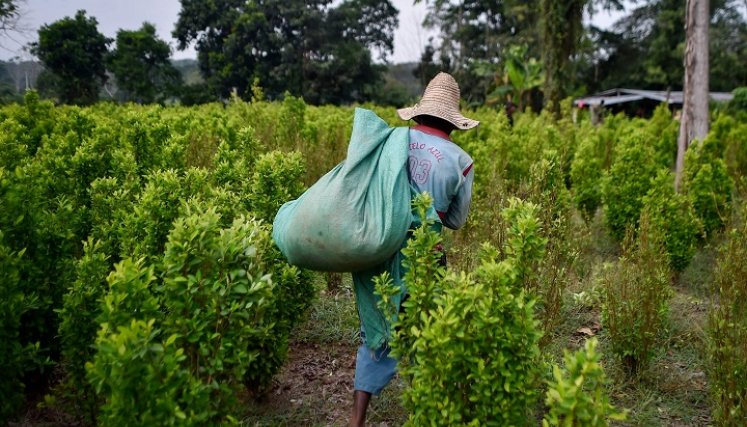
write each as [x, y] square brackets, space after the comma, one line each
[673, 390]
[332, 319]
[387, 409]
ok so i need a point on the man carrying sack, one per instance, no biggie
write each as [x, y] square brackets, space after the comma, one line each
[435, 165]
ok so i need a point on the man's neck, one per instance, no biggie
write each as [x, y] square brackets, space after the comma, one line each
[432, 131]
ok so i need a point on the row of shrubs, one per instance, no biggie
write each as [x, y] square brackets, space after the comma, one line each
[469, 343]
[135, 253]
[626, 169]
[622, 170]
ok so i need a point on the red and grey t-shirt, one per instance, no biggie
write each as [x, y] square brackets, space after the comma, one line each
[444, 170]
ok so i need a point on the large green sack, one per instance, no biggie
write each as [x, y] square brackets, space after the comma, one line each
[358, 214]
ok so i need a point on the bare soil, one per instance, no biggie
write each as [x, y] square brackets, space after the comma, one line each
[314, 387]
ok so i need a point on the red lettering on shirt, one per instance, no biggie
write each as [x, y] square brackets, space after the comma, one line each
[437, 154]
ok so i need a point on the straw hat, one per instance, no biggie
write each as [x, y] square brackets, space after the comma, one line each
[440, 99]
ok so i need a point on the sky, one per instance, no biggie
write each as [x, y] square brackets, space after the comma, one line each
[112, 15]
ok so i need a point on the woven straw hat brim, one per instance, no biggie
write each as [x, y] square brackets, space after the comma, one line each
[440, 99]
[440, 111]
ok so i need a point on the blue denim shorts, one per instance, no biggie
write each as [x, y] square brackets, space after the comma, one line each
[373, 369]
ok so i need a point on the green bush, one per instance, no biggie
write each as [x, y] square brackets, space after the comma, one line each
[234, 161]
[523, 245]
[576, 396]
[627, 182]
[146, 137]
[732, 135]
[45, 214]
[521, 148]
[224, 298]
[14, 353]
[663, 131]
[81, 308]
[131, 295]
[739, 102]
[613, 131]
[111, 201]
[586, 176]
[145, 228]
[550, 277]
[707, 183]
[291, 123]
[218, 298]
[139, 372]
[467, 344]
[232, 172]
[727, 332]
[636, 291]
[673, 216]
[13, 150]
[276, 180]
[38, 119]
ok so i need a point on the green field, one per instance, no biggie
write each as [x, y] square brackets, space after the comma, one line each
[140, 285]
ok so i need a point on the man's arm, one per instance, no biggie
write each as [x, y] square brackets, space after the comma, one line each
[456, 216]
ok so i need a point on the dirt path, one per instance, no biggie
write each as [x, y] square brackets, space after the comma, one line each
[314, 387]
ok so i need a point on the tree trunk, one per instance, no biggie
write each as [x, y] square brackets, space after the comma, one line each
[694, 118]
[561, 27]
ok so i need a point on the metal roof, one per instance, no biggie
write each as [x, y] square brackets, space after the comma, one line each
[621, 95]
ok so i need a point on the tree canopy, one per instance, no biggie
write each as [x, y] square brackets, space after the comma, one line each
[476, 32]
[644, 49]
[336, 51]
[141, 66]
[318, 49]
[73, 52]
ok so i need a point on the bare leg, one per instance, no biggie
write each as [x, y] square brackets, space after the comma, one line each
[360, 405]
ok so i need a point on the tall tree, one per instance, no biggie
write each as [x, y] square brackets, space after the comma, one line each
[318, 49]
[645, 48]
[562, 33]
[73, 52]
[141, 66]
[427, 68]
[473, 35]
[694, 121]
[727, 45]
[8, 91]
[476, 34]
[562, 27]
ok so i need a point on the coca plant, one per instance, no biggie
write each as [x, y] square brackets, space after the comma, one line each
[636, 291]
[468, 344]
[217, 307]
[577, 394]
[727, 331]
[707, 183]
[15, 353]
[627, 182]
[80, 310]
[672, 214]
[138, 372]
